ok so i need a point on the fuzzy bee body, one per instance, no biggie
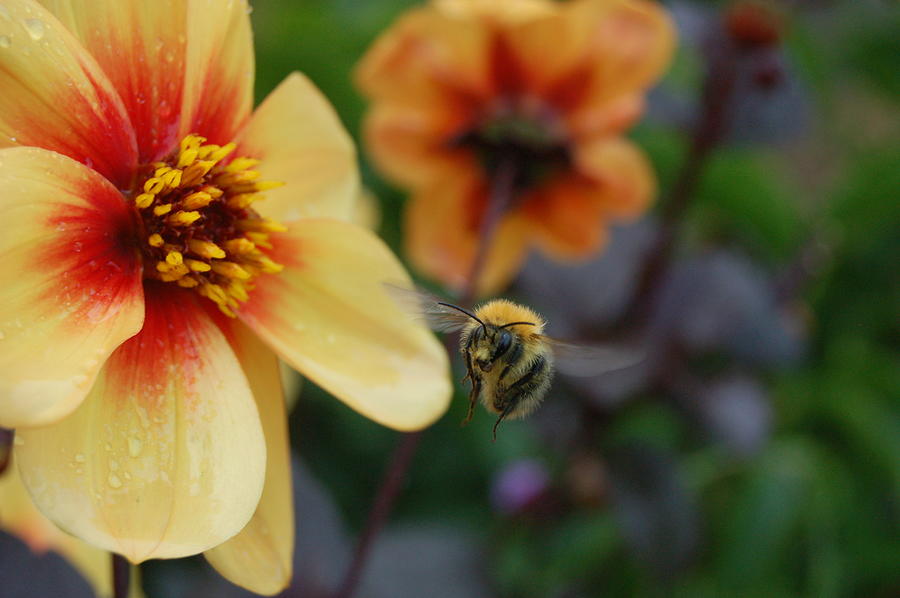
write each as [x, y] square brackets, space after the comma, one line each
[509, 360]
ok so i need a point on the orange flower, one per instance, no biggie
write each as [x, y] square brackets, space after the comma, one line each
[460, 87]
[146, 287]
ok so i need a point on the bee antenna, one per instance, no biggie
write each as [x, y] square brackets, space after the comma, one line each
[514, 323]
[465, 311]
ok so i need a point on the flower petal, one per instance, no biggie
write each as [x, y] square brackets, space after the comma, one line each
[300, 141]
[568, 215]
[55, 96]
[626, 44]
[427, 54]
[218, 95]
[328, 315]
[411, 144]
[70, 286]
[260, 557]
[626, 176]
[166, 456]
[441, 233]
[141, 48]
[20, 517]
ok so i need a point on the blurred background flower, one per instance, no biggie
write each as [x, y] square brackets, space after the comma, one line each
[756, 451]
[469, 96]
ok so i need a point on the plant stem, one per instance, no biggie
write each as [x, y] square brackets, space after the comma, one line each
[715, 102]
[121, 573]
[501, 197]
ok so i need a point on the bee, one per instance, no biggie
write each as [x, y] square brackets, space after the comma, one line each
[510, 362]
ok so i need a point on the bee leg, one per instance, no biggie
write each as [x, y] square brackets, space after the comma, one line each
[473, 398]
[504, 413]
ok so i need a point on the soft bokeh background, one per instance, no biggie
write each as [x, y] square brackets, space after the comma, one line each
[757, 453]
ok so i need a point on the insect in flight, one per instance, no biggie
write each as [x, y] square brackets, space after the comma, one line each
[510, 362]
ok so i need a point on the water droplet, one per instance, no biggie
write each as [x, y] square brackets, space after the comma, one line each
[35, 28]
[114, 481]
[76, 246]
[134, 446]
[80, 458]
[113, 465]
[5, 42]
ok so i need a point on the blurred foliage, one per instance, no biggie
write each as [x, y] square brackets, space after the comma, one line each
[813, 511]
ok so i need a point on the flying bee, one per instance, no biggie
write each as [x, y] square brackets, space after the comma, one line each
[510, 362]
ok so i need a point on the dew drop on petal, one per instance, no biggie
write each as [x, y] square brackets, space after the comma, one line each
[79, 458]
[35, 28]
[114, 481]
[5, 42]
[134, 446]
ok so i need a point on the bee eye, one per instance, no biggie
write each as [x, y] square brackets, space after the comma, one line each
[503, 343]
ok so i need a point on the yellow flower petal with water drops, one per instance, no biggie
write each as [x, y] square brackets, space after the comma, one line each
[327, 314]
[70, 293]
[260, 557]
[166, 456]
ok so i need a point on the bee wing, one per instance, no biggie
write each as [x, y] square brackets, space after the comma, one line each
[431, 308]
[585, 360]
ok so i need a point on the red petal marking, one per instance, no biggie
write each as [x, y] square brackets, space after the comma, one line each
[93, 252]
[218, 117]
[150, 82]
[103, 141]
[168, 350]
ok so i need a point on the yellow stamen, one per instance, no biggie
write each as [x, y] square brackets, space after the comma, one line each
[197, 265]
[174, 258]
[188, 282]
[183, 218]
[197, 200]
[206, 249]
[144, 200]
[230, 269]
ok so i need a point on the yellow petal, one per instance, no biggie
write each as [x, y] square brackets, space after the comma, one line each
[141, 48]
[327, 314]
[260, 557]
[166, 456]
[55, 95]
[20, 517]
[218, 93]
[626, 177]
[300, 141]
[70, 290]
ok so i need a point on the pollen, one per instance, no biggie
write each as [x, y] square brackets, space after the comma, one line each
[201, 231]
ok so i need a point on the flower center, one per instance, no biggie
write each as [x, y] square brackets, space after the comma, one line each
[200, 231]
[527, 136]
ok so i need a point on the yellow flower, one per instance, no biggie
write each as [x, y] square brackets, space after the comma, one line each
[460, 86]
[151, 272]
